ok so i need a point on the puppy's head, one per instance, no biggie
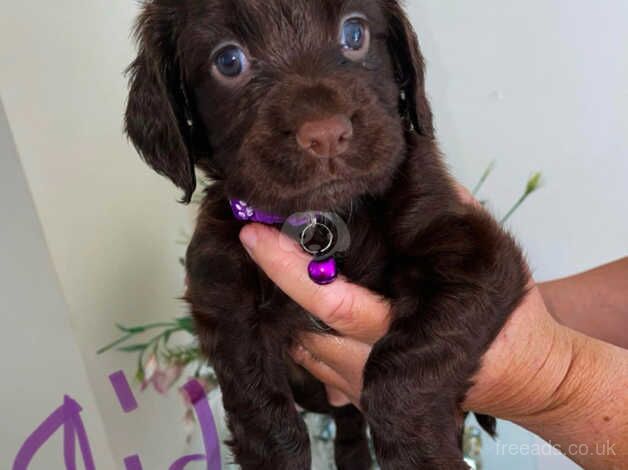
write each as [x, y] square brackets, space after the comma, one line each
[294, 104]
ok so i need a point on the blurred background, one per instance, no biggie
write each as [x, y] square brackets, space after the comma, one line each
[88, 233]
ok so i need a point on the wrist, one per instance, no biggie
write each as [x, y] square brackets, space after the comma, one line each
[586, 416]
[525, 365]
[568, 388]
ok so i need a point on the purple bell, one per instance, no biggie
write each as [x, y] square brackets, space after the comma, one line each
[323, 272]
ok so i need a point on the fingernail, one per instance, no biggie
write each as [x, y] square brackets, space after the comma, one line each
[248, 237]
[298, 353]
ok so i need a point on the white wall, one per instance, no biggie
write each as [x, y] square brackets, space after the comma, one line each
[110, 223]
[536, 85]
[39, 359]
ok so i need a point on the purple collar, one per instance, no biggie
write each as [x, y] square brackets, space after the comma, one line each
[321, 270]
[243, 212]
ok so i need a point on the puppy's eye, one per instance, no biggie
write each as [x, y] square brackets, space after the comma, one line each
[231, 61]
[355, 38]
[353, 33]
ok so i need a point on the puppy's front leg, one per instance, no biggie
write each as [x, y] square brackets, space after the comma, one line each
[267, 431]
[456, 282]
[248, 356]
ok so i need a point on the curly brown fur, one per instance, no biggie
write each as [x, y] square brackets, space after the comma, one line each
[452, 274]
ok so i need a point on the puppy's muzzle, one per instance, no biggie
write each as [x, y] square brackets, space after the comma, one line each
[326, 138]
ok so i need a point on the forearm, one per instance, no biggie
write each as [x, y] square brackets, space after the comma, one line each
[567, 388]
[594, 303]
[587, 416]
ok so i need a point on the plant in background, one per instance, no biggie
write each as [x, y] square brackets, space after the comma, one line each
[161, 364]
[156, 345]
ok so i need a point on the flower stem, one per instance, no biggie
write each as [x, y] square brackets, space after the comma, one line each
[484, 177]
[514, 208]
[116, 343]
[533, 184]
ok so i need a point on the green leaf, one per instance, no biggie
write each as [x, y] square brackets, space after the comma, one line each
[133, 330]
[115, 343]
[134, 348]
[186, 324]
[167, 336]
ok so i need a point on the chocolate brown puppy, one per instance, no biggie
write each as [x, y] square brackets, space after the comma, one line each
[319, 105]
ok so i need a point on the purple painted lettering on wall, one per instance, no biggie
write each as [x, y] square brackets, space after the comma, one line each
[68, 416]
[198, 398]
[133, 463]
[123, 391]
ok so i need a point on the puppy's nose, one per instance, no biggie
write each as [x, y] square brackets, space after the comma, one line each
[328, 137]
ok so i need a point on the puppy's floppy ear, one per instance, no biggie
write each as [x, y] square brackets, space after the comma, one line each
[409, 67]
[157, 114]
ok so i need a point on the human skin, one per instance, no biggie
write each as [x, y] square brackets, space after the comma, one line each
[594, 302]
[569, 388]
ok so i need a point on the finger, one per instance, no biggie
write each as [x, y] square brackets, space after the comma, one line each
[321, 371]
[466, 196]
[336, 397]
[349, 309]
[345, 355]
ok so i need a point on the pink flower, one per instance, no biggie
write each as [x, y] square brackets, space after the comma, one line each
[162, 379]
